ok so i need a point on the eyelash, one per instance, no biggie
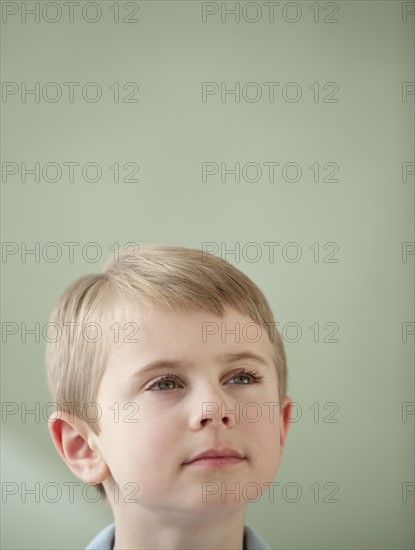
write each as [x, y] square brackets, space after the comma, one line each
[255, 379]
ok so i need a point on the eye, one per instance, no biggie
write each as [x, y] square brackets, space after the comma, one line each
[163, 383]
[167, 382]
[247, 377]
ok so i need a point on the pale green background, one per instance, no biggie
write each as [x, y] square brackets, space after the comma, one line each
[169, 133]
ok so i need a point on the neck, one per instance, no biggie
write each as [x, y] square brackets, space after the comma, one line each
[143, 529]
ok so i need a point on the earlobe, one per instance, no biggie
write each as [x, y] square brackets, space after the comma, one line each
[70, 437]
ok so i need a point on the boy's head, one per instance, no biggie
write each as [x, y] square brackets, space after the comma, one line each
[182, 305]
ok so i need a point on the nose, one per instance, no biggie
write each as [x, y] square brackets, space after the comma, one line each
[213, 410]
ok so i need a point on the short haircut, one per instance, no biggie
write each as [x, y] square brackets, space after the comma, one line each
[166, 278]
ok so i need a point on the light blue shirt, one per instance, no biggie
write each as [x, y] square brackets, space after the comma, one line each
[105, 540]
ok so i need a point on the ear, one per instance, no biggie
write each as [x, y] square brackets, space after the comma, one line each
[285, 420]
[75, 442]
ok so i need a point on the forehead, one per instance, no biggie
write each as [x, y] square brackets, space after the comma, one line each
[151, 322]
[147, 334]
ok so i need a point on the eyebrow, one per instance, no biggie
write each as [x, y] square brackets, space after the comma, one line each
[223, 359]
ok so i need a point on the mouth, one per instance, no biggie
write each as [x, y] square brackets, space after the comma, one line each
[216, 458]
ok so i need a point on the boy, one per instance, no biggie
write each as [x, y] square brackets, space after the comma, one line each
[171, 382]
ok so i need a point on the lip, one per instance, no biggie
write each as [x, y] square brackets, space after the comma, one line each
[216, 457]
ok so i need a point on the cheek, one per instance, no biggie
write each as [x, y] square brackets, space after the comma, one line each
[264, 433]
[161, 437]
[147, 456]
[266, 449]
[136, 447]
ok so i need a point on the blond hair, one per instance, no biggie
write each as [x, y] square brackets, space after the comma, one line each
[164, 277]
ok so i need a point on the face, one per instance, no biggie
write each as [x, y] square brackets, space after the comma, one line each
[215, 389]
